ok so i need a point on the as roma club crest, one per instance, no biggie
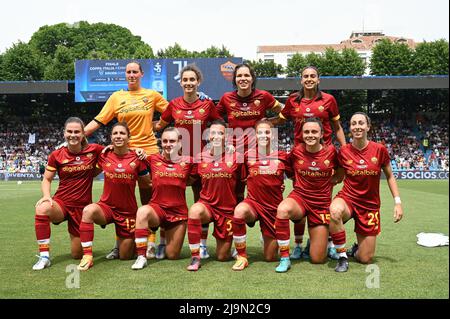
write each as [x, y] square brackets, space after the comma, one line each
[89, 155]
[229, 164]
[201, 111]
[132, 164]
[145, 99]
[374, 160]
[227, 70]
[321, 108]
[257, 102]
[327, 163]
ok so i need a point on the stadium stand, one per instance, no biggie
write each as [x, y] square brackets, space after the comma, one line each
[423, 145]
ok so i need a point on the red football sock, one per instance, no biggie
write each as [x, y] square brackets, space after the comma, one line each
[205, 231]
[282, 232]
[240, 236]
[299, 231]
[43, 231]
[141, 240]
[339, 241]
[86, 237]
[194, 236]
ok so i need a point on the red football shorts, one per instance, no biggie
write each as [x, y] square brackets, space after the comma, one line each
[367, 221]
[125, 222]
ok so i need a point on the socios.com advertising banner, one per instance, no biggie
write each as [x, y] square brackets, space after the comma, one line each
[416, 174]
[96, 80]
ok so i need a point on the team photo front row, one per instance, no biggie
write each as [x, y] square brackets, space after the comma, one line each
[218, 175]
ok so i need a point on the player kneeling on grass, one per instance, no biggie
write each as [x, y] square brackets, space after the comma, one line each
[362, 162]
[170, 173]
[122, 168]
[75, 165]
[314, 164]
[264, 168]
[219, 172]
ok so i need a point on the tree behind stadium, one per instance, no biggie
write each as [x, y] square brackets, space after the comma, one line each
[52, 50]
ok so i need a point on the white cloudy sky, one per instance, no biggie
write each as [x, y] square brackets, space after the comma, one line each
[239, 25]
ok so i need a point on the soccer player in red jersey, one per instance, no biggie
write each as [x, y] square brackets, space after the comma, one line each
[362, 162]
[75, 165]
[170, 174]
[191, 116]
[122, 169]
[306, 103]
[219, 172]
[314, 164]
[264, 167]
[245, 106]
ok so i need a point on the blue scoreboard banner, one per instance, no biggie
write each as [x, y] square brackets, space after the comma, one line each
[96, 80]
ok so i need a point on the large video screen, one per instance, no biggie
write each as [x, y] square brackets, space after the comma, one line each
[96, 80]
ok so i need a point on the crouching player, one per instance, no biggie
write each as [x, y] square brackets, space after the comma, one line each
[264, 168]
[219, 172]
[362, 162]
[122, 168]
[170, 172]
[314, 164]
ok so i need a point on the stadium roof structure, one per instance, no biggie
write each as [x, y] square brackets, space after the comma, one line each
[360, 82]
[34, 87]
[326, 83]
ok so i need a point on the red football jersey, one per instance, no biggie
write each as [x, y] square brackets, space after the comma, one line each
[76, 174]
[121, 173]
[193, 117]
[324, 108]
[265, 176]
[245, 112]
[169, 181]
[313, 173]
[219, 177]
[363, 172]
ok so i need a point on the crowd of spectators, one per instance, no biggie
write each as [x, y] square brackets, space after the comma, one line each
[25, 145]
[412, 146]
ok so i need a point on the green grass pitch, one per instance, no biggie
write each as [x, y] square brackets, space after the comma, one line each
[406, 270]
